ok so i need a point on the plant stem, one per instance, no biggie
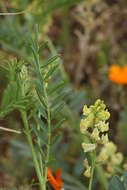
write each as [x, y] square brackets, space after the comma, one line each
[29, 138]
[39, 153]
[49, 133]
[101, 177]
[92, 171]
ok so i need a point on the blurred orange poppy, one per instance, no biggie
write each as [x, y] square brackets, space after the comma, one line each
[118, 74]
[56, 183]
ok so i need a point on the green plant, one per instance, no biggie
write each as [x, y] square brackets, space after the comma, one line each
[31, 92]
[99, 150]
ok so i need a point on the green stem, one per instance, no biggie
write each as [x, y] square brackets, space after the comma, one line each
[48, 121]
[49, 134]
[101, 177]
[36, 165]
[39, 153]
[92, 171]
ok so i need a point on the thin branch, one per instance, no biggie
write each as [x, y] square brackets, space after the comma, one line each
[10, 130]
[11, 14]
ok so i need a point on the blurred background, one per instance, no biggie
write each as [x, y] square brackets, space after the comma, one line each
[90, 36]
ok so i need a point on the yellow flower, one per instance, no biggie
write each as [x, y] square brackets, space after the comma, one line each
[117, 158]
[86, 110]
[110, 157]
[102, 126]
[94, 126]
[104, 115]
[111, 148]
[104, 139]
[87, 172]
[95, 134]
[103, 156]
[88, 168]
[85, 163]
[83, 125]
[88, 147]
[125, 166]
[110, 168]
[90, 118]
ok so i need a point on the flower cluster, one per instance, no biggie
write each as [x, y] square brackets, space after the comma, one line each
[111, 158]
[94, 126]
[118, 74]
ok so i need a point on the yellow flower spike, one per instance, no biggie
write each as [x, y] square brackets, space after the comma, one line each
[88, 147]
[95, 127]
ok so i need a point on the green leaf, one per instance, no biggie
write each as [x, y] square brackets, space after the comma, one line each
[51, 71]
[55, 139]
[56, 110]
[36, 36]
[59, 98]
[59, 124]
[35, 55]
[43, 112]
[40, 122]
[5, 99]
[125, 178]
[39, 87]
[18, 106]
[40, 150]
[41, 135]
[57, 87]
[50, 60]
[41, 98]
[116, 184]
[42, 46]
[9, 97]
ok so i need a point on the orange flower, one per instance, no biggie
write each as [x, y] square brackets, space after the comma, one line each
[118, 74]
[56, 183]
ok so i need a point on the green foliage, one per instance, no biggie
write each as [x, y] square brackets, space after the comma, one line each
[35, 88]
[50, 96]
[116, 184]
[46, 100]
[13, 96]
